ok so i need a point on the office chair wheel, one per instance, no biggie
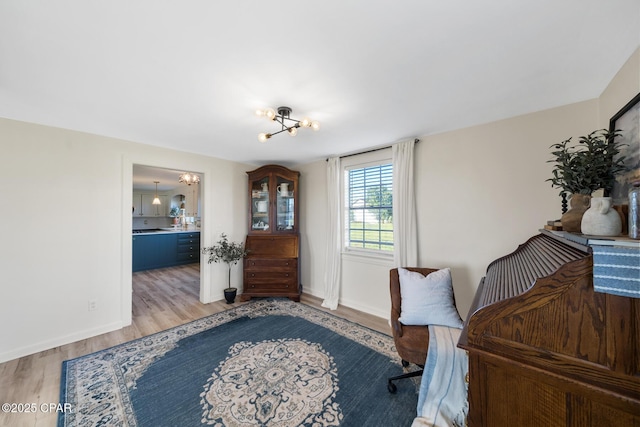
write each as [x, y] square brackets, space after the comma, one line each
[391, 387]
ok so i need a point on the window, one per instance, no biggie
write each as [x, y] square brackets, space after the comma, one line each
[368, 207]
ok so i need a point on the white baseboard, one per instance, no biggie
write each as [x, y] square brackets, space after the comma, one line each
[364, 308]
[59, 341]
[352, 304]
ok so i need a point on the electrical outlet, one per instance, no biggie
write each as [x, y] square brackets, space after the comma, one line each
[93, 305]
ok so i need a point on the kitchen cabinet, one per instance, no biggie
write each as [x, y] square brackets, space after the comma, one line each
[187, 198]
[272, 265]
[192, 201]
[188, 247]
[154, 251]
[142, 249]
[137, 204]
[143, 205]
[159, 250]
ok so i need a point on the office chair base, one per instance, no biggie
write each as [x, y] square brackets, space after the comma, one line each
[392, 387]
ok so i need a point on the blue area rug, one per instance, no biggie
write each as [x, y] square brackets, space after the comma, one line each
[266, 363]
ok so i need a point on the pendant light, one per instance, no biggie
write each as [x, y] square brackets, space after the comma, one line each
[156, 200]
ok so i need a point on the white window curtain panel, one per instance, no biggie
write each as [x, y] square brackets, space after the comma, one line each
[405, 240]
[332, 274]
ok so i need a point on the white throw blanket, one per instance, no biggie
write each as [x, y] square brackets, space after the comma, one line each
[442, 401]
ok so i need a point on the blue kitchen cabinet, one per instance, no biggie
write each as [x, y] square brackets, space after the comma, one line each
[188, 248]
[142, 252]
[164, 250]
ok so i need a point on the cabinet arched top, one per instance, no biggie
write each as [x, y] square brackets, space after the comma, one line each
[273, 169]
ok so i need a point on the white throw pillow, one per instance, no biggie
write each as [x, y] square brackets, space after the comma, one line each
[428, 300]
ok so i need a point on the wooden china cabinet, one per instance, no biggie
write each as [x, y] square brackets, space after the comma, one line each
[272, 265]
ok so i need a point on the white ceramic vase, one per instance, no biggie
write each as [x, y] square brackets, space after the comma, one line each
[600, 219]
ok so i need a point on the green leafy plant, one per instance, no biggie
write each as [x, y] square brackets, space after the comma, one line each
[227, 252]
[174, 212]
[588, 166]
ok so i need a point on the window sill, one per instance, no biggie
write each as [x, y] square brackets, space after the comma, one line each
[369, 257]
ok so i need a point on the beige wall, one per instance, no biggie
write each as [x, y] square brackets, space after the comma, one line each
[67, 230]
[481, 192]
[620, 90]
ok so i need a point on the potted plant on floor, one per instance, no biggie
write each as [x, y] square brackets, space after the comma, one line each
[230, 253]
[582, 169]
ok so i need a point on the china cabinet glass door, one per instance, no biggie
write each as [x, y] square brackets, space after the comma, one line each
[285, 202]
[260, 204]
[273, 194]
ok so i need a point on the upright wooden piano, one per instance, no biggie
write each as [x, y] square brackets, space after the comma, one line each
[545, 349]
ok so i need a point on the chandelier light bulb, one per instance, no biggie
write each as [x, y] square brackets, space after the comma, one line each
[315, 125]
[270, 113]
[293, 131]
[305, 122]
[260, 113]
[189, 178]
[263, 137]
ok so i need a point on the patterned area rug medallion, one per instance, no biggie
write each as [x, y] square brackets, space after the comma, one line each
[266, 363]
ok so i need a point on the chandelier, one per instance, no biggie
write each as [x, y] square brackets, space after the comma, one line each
[189, 178]
[288, 124]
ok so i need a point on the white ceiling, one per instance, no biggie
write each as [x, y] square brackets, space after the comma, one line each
[189, 74]
[144, 178]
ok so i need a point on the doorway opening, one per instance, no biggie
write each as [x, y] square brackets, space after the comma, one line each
[166, 223]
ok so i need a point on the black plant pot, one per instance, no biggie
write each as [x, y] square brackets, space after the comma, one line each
[230, 295]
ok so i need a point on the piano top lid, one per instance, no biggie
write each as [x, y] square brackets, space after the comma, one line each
[540, 256]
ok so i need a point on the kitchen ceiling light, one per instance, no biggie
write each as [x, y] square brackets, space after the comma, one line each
[288, 124]
[189, 178]
[156, 200]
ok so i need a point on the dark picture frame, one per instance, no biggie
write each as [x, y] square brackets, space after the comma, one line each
[627, 121]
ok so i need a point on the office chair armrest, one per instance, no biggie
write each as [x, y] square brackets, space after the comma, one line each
[397, 327]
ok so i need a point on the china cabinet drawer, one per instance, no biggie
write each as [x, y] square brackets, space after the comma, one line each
[267, 272]
[274, 246]
[271, 277]
[270, 287]
[271, 264]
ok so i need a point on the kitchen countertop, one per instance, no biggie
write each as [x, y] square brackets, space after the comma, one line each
[167, 230]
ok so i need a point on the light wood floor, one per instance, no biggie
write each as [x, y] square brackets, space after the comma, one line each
[162, 299]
